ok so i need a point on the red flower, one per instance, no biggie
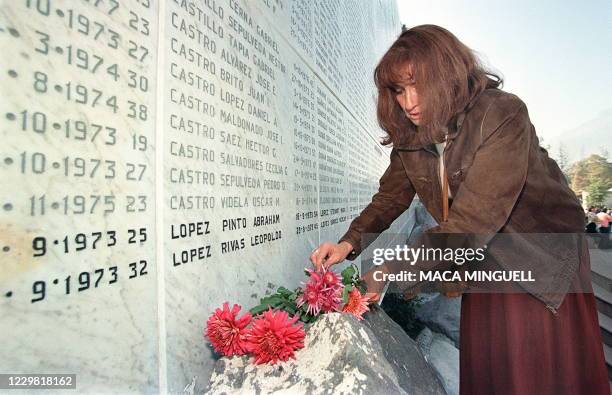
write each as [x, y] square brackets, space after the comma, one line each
[322, 292]
[273, 337]
[226, 333]
[357, 304]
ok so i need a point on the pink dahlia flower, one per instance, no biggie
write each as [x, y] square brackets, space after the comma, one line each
[274, 337]
[332, 299]
[323, 291]
[357, 304]
[330, 278]
[226, 332]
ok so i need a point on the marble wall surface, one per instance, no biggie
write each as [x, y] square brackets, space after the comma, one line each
[161, 157]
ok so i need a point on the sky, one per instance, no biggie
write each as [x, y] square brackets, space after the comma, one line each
[556, 55]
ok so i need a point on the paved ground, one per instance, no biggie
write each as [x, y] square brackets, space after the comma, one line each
[601, 261]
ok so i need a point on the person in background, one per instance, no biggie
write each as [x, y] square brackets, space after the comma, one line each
[604, 228]
[604, 221]
[591, 220]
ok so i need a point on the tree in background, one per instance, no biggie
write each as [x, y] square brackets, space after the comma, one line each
[597, 190]
[579, 176]
[562, 160]
[593, 175]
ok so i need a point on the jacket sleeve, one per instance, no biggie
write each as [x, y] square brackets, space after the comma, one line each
[394, 196]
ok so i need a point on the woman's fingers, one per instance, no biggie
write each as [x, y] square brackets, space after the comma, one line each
[318, 255]
[313, 257]
[326, 254]
[333, 258]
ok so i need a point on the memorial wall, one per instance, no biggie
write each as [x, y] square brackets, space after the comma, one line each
[161, 157]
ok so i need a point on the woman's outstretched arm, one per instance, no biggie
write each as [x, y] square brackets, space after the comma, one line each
[394, 196]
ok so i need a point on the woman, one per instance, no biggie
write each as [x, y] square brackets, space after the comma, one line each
[491, 177]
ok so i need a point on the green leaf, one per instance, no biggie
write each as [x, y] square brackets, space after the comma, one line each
[304, 314]
[273, 300]
[289, 306]
[309, 318]
[349, 271]
[289, 309]
[347, 274]
[345, 293]
[258, 309]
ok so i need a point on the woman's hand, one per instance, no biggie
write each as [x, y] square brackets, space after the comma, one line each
[329, 254]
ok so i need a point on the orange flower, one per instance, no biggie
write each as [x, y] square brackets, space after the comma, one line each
[357, 304]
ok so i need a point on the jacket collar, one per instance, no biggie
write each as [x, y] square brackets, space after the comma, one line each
[413, 141]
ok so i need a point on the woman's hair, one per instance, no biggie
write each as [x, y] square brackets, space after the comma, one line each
[447, 77]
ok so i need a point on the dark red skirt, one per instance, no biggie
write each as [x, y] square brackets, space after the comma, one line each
[512, 344]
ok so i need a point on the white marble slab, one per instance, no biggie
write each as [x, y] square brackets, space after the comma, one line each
[78, 279]
[236, 136]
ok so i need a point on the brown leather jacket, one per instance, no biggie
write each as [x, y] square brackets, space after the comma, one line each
[500, 178]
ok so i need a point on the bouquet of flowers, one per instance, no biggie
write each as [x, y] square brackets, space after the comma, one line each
[268, 332]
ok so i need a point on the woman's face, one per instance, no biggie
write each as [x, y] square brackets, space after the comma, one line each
[407, 98]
